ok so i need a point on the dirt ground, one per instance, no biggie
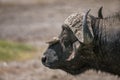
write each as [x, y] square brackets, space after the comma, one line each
[36, 24]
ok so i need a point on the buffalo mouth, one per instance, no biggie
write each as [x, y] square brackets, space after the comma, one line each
[51, 65]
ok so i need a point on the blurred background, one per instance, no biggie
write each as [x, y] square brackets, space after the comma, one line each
[25, 26]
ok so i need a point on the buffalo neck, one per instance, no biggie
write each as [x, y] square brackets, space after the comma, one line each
[107, 44]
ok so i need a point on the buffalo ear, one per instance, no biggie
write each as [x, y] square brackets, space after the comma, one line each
[87, 32]
[53, 41]
[100, 15]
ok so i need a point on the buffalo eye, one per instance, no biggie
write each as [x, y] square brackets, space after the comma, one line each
[64, 36]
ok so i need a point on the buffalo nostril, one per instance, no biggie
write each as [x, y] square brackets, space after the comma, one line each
[44, 59]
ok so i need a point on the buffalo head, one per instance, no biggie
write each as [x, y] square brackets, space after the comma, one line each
[72, 51]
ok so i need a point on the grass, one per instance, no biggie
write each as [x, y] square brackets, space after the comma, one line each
[10, 51]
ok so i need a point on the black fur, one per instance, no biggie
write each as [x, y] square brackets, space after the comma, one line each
[102, 54]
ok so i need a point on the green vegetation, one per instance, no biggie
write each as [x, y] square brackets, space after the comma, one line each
[15, 51]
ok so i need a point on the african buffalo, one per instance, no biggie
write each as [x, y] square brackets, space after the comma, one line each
[86, 42]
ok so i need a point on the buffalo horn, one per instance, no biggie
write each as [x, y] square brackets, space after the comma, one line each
[88, 37]
[100, 15]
